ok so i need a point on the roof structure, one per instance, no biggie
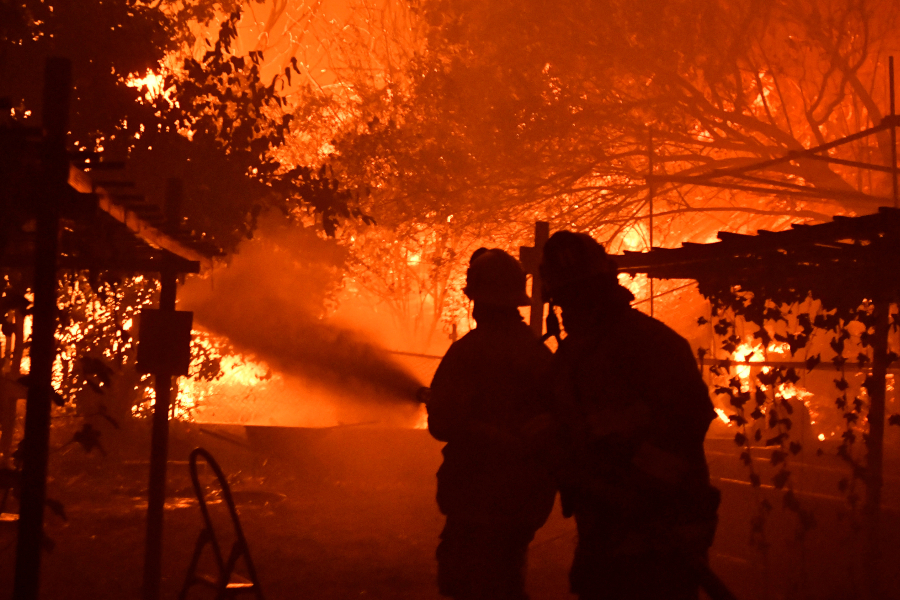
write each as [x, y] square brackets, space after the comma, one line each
[105, 225]
[154, 235]
[856, 257]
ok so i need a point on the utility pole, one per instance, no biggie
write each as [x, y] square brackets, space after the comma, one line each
[651, 191]
[35, 444]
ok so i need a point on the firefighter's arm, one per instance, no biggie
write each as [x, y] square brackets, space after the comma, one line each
[450, 407]
[449, 399]
[446, 423]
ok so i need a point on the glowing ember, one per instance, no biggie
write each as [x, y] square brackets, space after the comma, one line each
[747, 352]
[154, 84]
[723, 416]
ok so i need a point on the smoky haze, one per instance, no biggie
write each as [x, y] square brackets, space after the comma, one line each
[269, 302]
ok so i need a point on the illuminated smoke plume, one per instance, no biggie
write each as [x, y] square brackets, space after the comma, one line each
[269, 303]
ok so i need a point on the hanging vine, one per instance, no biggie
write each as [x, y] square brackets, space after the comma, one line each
[787, 334]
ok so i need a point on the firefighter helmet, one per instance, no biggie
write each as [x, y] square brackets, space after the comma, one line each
[496, 278]
[574, 258]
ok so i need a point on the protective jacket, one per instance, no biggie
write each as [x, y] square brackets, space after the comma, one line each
[635, 410]
[487, 387]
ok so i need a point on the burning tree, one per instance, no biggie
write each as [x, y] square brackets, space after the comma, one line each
[143, 94]
[510, 110]
[469, 122]
[559, 101]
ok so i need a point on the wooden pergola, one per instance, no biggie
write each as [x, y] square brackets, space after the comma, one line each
[841, 262]
[69, 221]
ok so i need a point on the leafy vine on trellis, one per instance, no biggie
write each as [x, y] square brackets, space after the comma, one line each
[751, 328]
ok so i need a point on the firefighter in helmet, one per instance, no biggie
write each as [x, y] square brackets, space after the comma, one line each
[485, 398]
[635, 411]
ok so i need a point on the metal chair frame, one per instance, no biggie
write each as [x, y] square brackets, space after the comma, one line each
[225, 584]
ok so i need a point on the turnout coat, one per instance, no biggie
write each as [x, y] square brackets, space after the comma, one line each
[486, 389]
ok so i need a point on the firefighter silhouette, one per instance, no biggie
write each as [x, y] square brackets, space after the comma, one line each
[634, 411]
[485, 398]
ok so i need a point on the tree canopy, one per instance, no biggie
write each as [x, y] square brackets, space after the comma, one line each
[468, 117]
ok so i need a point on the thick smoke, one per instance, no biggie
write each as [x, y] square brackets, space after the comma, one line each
[270, 302]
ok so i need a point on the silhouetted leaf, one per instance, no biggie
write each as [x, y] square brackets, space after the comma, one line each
[790, 502]
[767, 378]
[737, 419]
[57, 508]
[721, 327]
[57, 398]
[773, 314]
[776, 441]
[14, 302]
[89, 438]
[837, 345]
[812, 361]
[790, 375]
[740, 399]
[781, 478]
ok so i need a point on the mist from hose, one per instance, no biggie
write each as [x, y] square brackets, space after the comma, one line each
[269, 303]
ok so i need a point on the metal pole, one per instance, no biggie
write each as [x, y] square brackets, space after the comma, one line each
[536, 319]
[35, 444]
[893, 132]
[159, 454]
[651, 191]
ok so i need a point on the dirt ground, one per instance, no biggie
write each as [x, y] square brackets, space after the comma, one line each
[350, 513]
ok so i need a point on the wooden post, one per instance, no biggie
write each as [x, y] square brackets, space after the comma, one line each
[35, 444]
[159, 456]
[875, 445]
[530, 257]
